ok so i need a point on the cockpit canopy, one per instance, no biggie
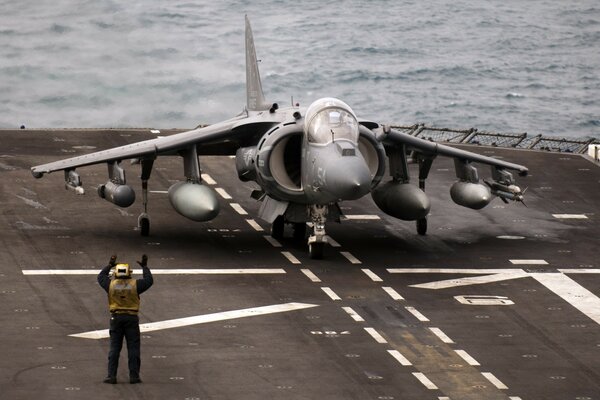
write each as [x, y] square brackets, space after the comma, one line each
[329, 119]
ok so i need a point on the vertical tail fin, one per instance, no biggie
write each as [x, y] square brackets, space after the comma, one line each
[255, 99]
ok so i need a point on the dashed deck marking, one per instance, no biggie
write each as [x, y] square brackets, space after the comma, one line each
[332, 242]
[272, 241]
[441, 335]
[529, 262]
[350, 257]
[467, 357]
[393, 294]
[425, 380]
[494, 381]
[570, 216]
[255, 225]
[239, 209]
[203, 319]
[417, 314]
[353, 314]
[375, 335]
[290, 257]
[207, 178]
[223, 193]
[374, 277]
[358, 217]
[310, 275]
[400, 358]
[332, 295]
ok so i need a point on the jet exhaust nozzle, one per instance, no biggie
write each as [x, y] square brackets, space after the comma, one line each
[194, 201]
[120, 195]
[401, 200]
[471, 195]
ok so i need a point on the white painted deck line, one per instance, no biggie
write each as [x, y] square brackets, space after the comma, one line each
[290, 257]
[255, 225]
[203, 319]
[514, 398]
[179, 271]
[272, 241]
[580, 271]
[473, 280]
[374, 277]
[353, 314]
[332, 295]
[159, 191]
[466, 271]
[375, 335]
[207, 178]
[393, 294]
[239, 209]
[467, 357]
[529, 262]
[400, 358]
[441, 335]
[570, 216]
[350, 257]
[332, 242]
[494, 381]
[310, 275]
[223, 193]
[417, 314]
[358, 217]
[572, 292]
[424, 380]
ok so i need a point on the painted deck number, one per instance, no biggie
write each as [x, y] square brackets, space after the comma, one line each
[330, 333]
[475, 300]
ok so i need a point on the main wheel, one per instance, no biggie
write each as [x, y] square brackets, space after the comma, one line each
[422, 226]
[277, 228]
[145, 226]
[316, 250]
[300, 231]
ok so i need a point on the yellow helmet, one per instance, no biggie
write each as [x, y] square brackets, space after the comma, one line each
[122, 271]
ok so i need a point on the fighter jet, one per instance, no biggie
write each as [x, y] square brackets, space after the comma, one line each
[305, 162]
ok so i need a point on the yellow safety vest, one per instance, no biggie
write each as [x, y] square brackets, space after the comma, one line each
[123, 296]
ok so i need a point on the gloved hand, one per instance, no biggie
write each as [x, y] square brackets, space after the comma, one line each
[144, 261]
[113, 260]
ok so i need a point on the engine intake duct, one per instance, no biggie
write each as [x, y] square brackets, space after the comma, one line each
[401, 200]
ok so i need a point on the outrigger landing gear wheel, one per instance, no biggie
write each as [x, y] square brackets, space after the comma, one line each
[422, 226]
[144, 225]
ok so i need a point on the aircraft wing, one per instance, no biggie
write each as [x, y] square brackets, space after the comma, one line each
[220, 133]
[426, 147]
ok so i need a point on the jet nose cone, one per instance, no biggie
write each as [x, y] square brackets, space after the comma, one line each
[349, 179]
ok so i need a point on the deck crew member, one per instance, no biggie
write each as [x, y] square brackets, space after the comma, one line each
[124, 304]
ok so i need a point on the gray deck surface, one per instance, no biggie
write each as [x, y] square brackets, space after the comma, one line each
[544, 346]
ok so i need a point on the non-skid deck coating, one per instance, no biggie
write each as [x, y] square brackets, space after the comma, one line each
[501, 303]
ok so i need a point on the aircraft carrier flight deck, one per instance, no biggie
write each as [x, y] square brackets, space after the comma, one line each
[501, 303]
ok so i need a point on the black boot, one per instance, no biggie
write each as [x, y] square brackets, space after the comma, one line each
[110, 379]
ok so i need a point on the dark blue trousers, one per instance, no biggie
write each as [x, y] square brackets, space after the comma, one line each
[128, 327]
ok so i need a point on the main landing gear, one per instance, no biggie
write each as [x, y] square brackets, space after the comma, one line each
[144, 218]
[317, 240]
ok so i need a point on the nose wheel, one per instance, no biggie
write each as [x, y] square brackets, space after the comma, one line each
[316, 249]
[317, 241]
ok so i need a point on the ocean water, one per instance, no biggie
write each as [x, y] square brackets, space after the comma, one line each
[507, 66]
